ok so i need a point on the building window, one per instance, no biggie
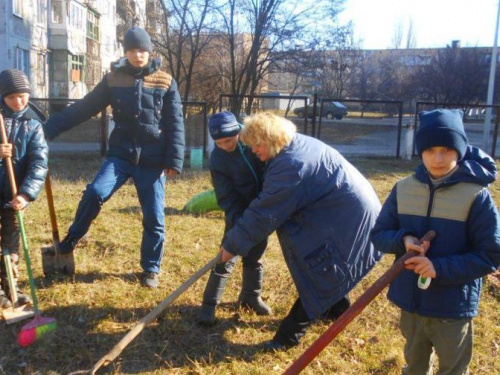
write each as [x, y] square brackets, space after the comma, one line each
[56, 11]
[92, 26]
[77, 68]
[41, 63]
[22, 60]
[17, 7]
[41, 16]
[76, 16]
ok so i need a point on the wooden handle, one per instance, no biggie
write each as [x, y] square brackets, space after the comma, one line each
[8, 160]
[52, 210]
[353, 311]
[118, 348]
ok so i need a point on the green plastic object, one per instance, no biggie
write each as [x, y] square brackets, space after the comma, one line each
[202, 203]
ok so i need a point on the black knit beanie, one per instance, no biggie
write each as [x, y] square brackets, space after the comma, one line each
[441, 127]
[13, 81]
[137, 37]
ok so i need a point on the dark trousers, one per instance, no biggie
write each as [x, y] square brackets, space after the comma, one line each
[296, 323]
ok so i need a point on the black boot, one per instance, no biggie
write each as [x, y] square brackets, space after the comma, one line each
[211, 297]
[250, 296]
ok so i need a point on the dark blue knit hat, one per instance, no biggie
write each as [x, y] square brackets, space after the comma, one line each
[441, 127]
[137, 37]
[223, 125]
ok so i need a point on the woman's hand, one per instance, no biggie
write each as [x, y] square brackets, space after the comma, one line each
[225, 255]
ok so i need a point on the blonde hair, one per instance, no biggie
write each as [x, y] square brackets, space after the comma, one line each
[265, 127]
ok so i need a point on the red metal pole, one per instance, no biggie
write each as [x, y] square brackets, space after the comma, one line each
[353, 311]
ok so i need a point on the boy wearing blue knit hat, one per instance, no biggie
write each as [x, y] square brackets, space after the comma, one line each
[237, 177]
[448, 193]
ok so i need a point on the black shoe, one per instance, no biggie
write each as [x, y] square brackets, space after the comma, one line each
[275, 346]
[149, 279]
[336, 310]
[67, 245]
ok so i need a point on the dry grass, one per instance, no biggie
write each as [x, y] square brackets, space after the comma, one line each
[104, 301]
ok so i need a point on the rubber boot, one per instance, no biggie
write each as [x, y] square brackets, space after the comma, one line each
[211, 298]
[22, 299]
[250, 296]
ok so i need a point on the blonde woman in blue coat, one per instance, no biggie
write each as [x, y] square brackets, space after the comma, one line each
[322, 209]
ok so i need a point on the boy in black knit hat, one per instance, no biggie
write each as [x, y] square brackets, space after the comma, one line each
[29, 152]
[146, 144]
[448, 193]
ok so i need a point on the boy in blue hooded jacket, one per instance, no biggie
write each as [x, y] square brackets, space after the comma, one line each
[28, 149]
[448, 193]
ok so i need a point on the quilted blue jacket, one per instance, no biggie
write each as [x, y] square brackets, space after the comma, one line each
[147, 111]
[466, 248]
[30, 154]
[322, 209]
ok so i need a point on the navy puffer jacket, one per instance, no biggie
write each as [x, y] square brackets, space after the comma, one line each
[147, 111]
[30, 154]
[467, 245]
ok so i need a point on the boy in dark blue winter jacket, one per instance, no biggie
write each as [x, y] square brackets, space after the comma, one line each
[146, 144]
[449, 194]
[29, 152]
[237, 177]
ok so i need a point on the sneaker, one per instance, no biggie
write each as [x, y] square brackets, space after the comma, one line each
[149, 279]
[4, 301]
[22, 299]
[67, 245]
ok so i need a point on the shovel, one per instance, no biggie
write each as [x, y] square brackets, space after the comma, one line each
[52, 260]
[353, 311]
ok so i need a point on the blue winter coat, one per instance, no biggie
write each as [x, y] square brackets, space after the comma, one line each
[147, 111]
[467, 245]
[30, 154]
[323, 210]
[237, 178]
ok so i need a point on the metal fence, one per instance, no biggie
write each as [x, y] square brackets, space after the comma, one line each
[365, 127]
[92, 135]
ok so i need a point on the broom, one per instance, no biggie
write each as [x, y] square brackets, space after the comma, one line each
[35, 329]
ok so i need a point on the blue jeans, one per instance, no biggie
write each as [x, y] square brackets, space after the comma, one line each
[150, 186]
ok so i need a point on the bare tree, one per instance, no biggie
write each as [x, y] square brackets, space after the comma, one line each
[397, 38]
[262, 32]
[186, 32]
[453, 75]
[411, 41]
